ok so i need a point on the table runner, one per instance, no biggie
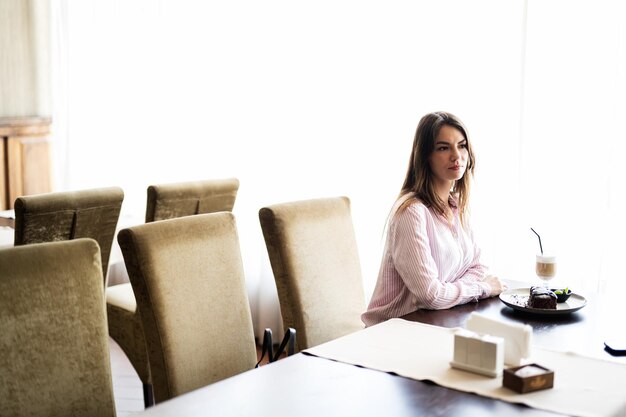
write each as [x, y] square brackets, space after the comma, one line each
[582, 386]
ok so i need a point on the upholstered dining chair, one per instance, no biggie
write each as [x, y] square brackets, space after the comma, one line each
[187, 277]
[164, 201]
[54, 352]
[169, 201]
[313, 253]
[70, 215]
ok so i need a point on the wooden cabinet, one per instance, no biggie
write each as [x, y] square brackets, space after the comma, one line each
[24, 158]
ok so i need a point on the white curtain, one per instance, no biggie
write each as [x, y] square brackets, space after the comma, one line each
[25, 63]
[311, 99]
[574, 139]
[563, 173]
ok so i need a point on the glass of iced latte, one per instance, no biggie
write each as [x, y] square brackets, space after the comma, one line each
[546, 268]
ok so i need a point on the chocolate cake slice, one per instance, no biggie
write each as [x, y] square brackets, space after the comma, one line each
[541, 297]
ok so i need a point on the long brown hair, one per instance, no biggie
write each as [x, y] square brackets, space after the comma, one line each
[418, 183]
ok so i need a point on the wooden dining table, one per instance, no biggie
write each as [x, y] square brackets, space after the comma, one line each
[305, 385]
[583, 331]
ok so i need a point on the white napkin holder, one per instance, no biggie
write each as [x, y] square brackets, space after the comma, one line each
[517, 337]
[479, 353]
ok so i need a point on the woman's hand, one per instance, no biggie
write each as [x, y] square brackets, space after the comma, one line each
[496, 285]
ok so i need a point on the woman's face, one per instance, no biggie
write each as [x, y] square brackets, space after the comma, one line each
[449, 158]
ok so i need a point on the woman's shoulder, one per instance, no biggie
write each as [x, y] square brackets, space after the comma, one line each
[411, 208]
[411, 216]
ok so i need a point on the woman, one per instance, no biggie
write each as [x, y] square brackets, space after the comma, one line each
[431, 260]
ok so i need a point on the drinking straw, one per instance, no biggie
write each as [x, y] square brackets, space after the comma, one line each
[540, 247]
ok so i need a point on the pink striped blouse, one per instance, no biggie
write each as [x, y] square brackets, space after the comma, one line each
[428, 263]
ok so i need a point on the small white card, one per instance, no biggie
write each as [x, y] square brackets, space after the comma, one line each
[517, 336]
[479, 353]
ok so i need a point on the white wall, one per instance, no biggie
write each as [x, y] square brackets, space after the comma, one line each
[307, 99]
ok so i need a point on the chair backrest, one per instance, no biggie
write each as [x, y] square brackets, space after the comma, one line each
[169, 201]
[54, 352]
[187, 276]
[313, 253]
[70, 215]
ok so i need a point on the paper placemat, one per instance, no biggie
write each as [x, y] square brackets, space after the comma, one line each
[582, 386]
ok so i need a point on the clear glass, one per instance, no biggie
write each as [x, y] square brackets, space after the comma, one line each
[545, 268]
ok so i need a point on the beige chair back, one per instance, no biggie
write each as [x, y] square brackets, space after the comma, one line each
[54, 352]
[70, 215]
[313, 253]
[168, 201]
[187, 276]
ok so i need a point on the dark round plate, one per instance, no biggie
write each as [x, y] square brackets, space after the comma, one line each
[518, 297]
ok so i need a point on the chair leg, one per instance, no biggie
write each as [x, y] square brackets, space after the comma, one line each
[148, 396]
